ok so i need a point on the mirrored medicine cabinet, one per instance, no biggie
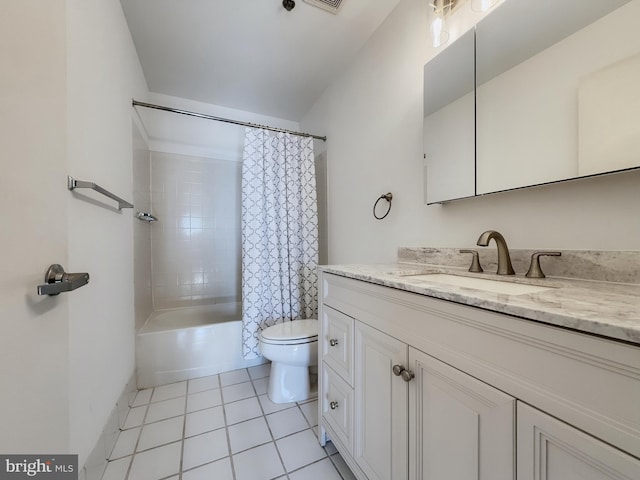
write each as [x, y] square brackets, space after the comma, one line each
[538, 92]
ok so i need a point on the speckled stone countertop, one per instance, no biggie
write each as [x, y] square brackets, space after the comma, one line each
[607, 309]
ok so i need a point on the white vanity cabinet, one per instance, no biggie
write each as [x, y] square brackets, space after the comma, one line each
[474, 395]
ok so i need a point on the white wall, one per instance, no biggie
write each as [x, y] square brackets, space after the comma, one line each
[372, 115]
[142, 298]
[186, 135]
[104, 74]
[34, 410]
[69, 71]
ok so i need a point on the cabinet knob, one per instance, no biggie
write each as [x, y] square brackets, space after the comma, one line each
[407, 375]
[333, 405]
[400, 371]
[333, 342]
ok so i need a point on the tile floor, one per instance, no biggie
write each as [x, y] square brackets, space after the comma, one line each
[222, 427]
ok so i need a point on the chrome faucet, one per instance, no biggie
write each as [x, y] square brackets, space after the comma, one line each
[504, 260]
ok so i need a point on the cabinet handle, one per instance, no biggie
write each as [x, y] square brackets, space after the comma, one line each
[333, 405]
[333, 342]
[400, 371]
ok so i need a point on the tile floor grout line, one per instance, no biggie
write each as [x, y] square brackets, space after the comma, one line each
[184, 430]
[304, 416]
[308, 420]
[159, 421]
[309, 464]
[126, 475]
[226, 431]
[273, 440]
[135, 447]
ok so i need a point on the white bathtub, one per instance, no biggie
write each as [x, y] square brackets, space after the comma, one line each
[184, 343]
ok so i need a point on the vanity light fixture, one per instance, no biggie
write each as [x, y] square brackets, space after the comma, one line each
[482, 5]
[438, 30]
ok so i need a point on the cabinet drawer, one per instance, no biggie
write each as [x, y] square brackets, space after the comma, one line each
[337, 407]
[337, 342]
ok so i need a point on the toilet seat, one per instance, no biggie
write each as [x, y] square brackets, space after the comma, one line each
[296, 332]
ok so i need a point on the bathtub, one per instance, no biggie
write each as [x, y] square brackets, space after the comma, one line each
[185, 343]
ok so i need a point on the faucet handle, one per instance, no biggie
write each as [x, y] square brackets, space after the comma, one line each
[475, 261]
[534, 269]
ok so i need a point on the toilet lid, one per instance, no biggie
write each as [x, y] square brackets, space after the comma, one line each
[295, 330]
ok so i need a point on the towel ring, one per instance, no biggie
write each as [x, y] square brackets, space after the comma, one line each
[388, 197]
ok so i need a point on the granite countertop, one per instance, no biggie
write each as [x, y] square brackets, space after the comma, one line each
[603, 308]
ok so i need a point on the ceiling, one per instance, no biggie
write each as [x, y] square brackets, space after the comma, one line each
[250, 55]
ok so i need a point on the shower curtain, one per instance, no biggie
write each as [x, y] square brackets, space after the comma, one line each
[279, 233]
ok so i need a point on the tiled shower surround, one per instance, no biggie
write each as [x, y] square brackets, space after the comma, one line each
[195, 245]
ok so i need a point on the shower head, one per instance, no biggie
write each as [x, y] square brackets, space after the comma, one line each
[288, 5]
[146, 217]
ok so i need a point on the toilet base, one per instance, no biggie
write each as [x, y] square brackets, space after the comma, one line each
[288, 383]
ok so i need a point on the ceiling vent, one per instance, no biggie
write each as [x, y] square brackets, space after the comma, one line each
[332, 6]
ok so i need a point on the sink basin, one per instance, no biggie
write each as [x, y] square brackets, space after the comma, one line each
[483, 284]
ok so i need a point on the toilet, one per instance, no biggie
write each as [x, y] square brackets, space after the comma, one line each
[292, 348]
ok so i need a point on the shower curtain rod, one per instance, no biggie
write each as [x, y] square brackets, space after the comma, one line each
[136, 103]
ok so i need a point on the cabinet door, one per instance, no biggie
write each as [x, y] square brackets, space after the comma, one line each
[380, 405]
[460, 427]
[549, 449]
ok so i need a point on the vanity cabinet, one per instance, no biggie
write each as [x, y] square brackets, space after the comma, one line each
[434, 390]
[456, 426]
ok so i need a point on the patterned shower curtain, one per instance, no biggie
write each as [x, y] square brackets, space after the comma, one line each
[279, 233]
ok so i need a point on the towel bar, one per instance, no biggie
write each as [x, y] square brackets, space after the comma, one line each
[73, 184]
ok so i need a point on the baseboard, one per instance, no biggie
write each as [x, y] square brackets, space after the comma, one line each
[96, 463]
